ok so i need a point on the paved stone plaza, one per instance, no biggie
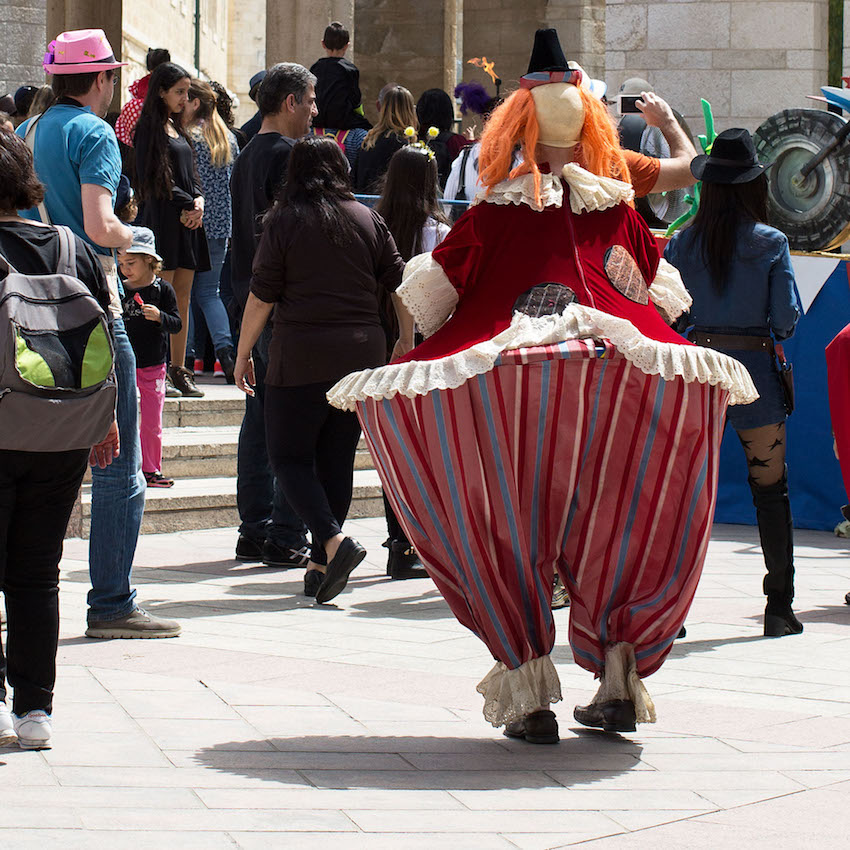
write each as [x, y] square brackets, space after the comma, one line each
[275, 723]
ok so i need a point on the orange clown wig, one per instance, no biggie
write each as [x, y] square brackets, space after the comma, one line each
[514, 124]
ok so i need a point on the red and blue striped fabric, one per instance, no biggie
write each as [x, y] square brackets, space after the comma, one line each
[562, 457]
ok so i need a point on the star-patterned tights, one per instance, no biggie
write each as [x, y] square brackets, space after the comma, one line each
[765, 451]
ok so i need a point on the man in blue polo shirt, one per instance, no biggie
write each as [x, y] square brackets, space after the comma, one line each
[77, 158]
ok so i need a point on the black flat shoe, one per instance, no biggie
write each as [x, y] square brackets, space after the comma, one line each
[847, 598]
[683, 633]
[312, 582]
[348, 556]
[615, 715]
[539, 727]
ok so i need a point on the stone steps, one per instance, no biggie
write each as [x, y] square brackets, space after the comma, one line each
[199, 443]
[194, 503]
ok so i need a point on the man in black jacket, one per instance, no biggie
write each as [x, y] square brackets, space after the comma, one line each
[270, 530]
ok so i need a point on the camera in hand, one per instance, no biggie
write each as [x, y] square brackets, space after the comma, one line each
[627, 104]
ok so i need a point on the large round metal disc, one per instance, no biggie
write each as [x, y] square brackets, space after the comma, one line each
[813, 213]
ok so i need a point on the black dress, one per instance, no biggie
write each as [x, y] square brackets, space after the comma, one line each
[178, 246]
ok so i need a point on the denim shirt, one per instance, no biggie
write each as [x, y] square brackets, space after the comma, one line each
[218, 218]
[760, 294]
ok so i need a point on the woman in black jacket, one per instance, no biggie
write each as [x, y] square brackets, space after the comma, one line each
[172, 201]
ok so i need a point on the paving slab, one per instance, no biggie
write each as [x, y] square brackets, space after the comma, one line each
[273, 722]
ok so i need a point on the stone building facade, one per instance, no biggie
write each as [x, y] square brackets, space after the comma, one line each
[22, 26]
[749, 59]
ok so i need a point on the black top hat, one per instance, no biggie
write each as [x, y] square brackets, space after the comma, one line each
[547, 54]
[732, 159]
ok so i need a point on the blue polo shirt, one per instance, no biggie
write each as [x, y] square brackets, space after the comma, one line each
[73, 146]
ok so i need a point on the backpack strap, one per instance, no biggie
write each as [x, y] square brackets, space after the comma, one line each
[30, 140]
[67, 251]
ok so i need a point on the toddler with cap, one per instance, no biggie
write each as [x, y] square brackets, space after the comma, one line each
[150, 315]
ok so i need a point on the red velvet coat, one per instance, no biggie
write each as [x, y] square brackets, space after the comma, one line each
[494, 253]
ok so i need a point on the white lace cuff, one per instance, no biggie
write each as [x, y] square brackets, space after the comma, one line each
[427, 293]
[511, 694]
[668, 293]
[669, 360]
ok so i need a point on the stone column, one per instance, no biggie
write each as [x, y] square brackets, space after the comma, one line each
[294, 28]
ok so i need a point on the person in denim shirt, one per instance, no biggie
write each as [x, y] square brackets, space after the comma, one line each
[215, 152]
[738, 271]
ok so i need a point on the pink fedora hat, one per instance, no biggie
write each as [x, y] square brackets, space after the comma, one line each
[80, 52]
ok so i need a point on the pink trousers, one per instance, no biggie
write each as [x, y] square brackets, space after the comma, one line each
[151, 383]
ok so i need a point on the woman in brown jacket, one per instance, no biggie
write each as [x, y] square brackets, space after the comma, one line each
[322, 261]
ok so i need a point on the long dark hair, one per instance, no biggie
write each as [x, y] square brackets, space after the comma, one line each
[317, 182]
[723, 207]
[158, 177]
[409, 198]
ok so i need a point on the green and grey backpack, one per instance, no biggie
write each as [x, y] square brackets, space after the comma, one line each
[57, 375]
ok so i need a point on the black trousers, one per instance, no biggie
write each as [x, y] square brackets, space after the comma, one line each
[37, 494]
[311, 447]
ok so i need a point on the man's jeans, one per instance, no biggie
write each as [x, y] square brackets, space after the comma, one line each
[207, 306]
[118, 501]
[263, 509]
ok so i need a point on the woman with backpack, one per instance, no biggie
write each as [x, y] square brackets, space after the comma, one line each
[38, 485]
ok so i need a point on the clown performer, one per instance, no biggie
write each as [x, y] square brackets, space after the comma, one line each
[513, 444]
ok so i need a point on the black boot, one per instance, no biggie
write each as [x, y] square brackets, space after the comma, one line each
[403, 562]
[226, 356]
[773, 512]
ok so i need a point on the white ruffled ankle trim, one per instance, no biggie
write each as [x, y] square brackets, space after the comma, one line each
[511, 694]
[620, 680]
[692, 363]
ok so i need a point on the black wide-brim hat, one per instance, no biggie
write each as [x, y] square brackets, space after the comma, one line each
[732, 159]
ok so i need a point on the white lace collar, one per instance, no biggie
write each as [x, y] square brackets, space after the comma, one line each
[588, 192]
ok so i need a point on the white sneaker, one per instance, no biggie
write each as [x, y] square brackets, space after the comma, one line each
[33, 730]
[7, 729]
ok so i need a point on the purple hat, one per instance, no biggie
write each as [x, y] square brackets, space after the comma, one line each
[80, 52]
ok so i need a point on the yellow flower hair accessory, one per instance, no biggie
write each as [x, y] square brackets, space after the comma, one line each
[409, 132]
[433, 132]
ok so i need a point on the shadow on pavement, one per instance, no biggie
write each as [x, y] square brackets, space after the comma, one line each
[341, 762]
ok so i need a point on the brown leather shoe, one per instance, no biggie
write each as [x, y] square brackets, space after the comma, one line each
[615, 715]
[539, 727]
[184, 381]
